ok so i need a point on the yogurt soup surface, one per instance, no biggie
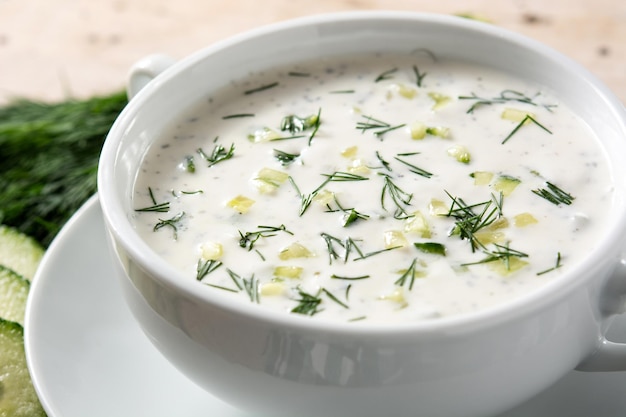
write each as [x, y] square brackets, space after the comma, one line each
[374, 188]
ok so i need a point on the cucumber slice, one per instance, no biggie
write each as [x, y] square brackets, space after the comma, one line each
[13, 293]
[17, 395]
[19, 252]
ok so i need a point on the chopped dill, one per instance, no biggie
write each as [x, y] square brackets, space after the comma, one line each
[307, 304]
[285, 158]
[237, 116]
[261, 88]
[334, 298]
[400, 198]
[219, 154]
[520, 124]
[554, 194]
[386, 75]
[155, 207]
[205, 267]
[419, 77]
[171, 222]
[504, 97]
[378, 127]
[556, 266]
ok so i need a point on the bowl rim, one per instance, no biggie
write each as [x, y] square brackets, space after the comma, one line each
[121, 231]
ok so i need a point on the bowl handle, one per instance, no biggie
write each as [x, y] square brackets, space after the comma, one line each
[610, 356]
[145, 70]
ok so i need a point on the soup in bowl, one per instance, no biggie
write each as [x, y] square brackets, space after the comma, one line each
[371, 213]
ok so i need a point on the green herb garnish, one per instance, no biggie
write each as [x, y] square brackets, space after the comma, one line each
[520, 124]
[386, 75]
[261, 88]
[334, 298]
[219, 154]
[155, 207]
[237, 116]
[205, 267]
[419, 77]
[378, 127]
[285, 158]
[556, 266]
[554, 194]
[307, 304]
[248, 239]
[400, 198]
[501, 253]
[472, 218]
[249, 285]
[360, 277]
[505, 96]
[408, 276]
[414, 169]
[350, 214]
[171, 222]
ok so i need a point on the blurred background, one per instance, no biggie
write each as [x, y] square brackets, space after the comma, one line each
[55, 50]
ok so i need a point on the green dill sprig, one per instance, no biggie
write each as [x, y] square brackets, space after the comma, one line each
[504, 97]
[171, 222]
[261, 88]
[249, 285]
[408, 276]
[378, 127]
[298, 74]
[285, 158]
[520, 124]
[386, 165]
[342, 92]
[334, 298]
[554, 194]
[468, 220]
[386, 75]
[155, 207]
[307, 303]
[414, 169]
[295, 124]
[350, 214]
[501, 253]
[337, 176]
[419, 76]
[237, 116]
[248, 239]
[399, 197]
[556, 266]
[219, 154]
[205, 267]
[357, 278]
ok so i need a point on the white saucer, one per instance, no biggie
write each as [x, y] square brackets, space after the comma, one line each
[88, 357]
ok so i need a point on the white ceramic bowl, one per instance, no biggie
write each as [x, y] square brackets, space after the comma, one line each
[277, 364]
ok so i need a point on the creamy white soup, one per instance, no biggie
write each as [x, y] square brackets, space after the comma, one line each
[374, 188]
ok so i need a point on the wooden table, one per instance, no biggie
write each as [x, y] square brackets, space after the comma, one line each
[56, 49]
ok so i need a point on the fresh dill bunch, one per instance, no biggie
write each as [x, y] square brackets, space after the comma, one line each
[49, 159]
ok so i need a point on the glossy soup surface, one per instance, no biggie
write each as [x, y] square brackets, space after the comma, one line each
[376, 188]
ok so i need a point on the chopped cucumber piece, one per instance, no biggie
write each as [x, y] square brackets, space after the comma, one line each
[241, 203]
[295, 250]
[13, 294]
[506, 184]
[17, 395]
[19, 252]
